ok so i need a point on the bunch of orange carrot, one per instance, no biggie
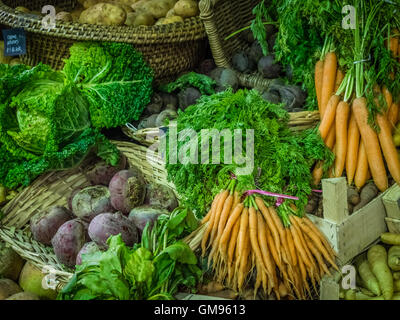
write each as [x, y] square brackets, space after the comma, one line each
[358, 148]
[245, 239]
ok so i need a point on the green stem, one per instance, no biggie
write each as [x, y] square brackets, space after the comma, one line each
[248, 27]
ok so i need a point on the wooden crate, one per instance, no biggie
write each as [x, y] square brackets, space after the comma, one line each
[391, 202]
[393, 225]
[349, 234]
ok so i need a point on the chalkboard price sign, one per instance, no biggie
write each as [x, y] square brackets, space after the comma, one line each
[14, 42]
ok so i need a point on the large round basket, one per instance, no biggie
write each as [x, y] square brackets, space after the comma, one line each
[170, 49]
[54, 189]
[222, 18]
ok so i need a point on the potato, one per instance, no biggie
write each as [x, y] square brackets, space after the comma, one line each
[171, 13]
[15, 61]
[130, 18]
[23, 296]
[3, 58]
[64, 16]
[160, 21]
[144, 19]
[138, 6]
[172, 19]
[104, 14]
[186, 8]
[158, 9]
[8, 288]
[22, 9]
[90, 3]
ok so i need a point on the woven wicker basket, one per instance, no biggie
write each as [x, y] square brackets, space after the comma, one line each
[298, 121]
[169, 49]
[221, 18]
[53, 189]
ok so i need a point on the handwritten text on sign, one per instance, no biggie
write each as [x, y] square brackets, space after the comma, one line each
[14, 42]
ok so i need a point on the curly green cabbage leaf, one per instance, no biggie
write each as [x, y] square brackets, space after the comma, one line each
[115, 80]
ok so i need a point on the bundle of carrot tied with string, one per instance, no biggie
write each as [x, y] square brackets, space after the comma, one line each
[349, 65]
[254, 233]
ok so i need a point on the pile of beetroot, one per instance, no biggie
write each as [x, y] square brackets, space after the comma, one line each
[118, 202]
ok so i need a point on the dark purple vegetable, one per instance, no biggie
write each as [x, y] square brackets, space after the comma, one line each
[68, 241]
[168, 99]
[71, 196]
[268, 68]
[206, 66]
[255, 52]
[127, 189]
[188, 97]
[161, 196]
[102, 173]
[272, 97]
[144, 214]
[89, 247]
[44, 225]
[111, 224]
[228, 79]
[216, 74]
[242, 62]
[91, 201]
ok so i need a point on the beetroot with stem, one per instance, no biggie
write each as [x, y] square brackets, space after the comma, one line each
[91, 201]
[44, 225]
[127, 189]
[111, 224]
[68, 241]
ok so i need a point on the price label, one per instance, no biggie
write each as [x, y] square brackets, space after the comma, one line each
[14, 42]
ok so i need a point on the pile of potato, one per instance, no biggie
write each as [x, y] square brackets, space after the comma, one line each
[127, 12]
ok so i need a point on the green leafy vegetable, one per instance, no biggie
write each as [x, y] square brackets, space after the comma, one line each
[282, 159]
[202, 82]
[152, 270]
[115, 80]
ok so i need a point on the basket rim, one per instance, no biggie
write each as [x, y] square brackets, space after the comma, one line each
[190, 30]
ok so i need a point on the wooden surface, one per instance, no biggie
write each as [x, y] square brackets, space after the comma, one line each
[349, 234]
[390, 201]
[393, 225]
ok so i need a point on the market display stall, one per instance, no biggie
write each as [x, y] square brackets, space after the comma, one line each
[136, 167]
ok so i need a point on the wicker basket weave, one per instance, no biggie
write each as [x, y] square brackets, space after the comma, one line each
[298, 121]
[169, 49]
[53, 189]
[221, 18]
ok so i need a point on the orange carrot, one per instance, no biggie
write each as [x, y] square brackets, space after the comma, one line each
[388, 97]
[328, 117]
[235, 215]
[393, 115]
[270, 222]
[319, 73]
[371, 142]
[328, 82]
[339, 79]
[253, 229]
[210, 225]
[243, 231]
[361, 175]
[263, 243]
[353, 137]
[388, 147]
[342, 115]
[220, 205]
